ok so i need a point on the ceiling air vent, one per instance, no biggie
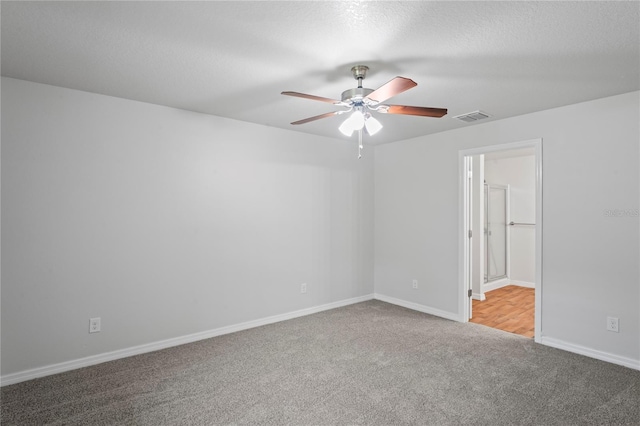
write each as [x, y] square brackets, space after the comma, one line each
[471, 117]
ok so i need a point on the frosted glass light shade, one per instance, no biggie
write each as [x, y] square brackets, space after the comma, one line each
[372, 125]
[353, 123]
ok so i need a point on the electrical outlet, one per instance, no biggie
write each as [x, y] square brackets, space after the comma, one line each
[303, 288]
[415, 283]
[94, 325]
[612, 324]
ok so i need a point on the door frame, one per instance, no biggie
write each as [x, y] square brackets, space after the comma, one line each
[464, 251]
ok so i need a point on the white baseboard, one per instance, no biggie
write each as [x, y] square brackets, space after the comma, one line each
[22, 376]
[494, 285]
[523, 283]
[591, 353]
[479, 296]
[418, 307]
[48, 370]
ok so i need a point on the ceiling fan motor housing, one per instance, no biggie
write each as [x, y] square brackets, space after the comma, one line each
[355, 95]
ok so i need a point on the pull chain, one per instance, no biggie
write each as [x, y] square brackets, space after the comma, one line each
[359, 144]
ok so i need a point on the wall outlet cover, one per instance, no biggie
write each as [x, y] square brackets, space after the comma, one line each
[94, 325]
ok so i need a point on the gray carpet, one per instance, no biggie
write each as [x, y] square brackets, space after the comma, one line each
[369, 363]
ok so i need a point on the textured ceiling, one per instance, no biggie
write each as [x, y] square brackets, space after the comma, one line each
[233, 59]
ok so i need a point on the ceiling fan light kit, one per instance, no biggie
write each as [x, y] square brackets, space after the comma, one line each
[359, 120]
[361, 101]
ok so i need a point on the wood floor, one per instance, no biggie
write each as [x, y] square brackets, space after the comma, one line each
[509, 308]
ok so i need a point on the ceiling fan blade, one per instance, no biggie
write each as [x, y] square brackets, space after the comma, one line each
[391, 88]
[313, 97]
[317, 117]
[414, 110]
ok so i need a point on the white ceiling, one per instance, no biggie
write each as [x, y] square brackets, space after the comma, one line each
[233, 59]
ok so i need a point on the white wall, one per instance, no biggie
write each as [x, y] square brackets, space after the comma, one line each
[165, 222]
[590, 260]
[520, 174]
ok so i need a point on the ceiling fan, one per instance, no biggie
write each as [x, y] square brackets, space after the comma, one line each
[362, 101]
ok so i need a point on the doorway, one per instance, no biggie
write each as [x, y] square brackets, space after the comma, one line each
[501, 235]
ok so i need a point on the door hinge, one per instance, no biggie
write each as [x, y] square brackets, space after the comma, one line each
[469, 293]
[470, 233]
